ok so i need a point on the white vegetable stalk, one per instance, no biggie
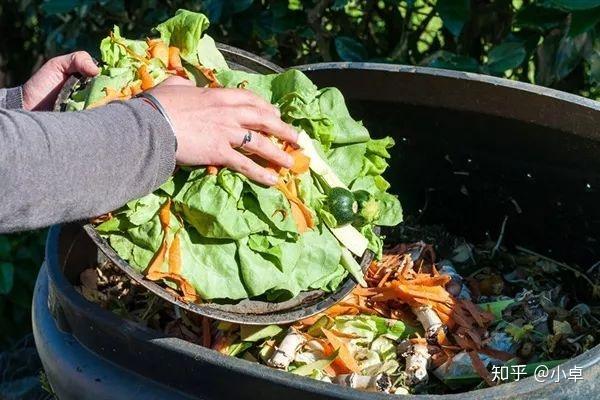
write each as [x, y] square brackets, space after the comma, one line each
[286, 352]
[417, 361]
[429, 319]
[376, 383]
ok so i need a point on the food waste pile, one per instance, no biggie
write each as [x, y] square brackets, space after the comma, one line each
[427, 322]
[425, 318]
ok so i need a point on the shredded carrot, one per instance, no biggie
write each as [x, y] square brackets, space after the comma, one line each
[344, 354]
[384, 279]
[209, 74]
[144, 75]
[174, 59]
[291, 185]
[294, 199]
[155, 266]
[299, 218]
[212, 170]
[111, 95]
[154, 271]
[158, 49]
[427, 280]
[301, 162]
[423, 292]
[175, 256]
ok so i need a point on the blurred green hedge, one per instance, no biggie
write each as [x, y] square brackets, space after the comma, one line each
[547, 42]
[553, 43]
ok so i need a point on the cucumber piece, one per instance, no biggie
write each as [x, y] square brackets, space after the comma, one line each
[342, 205]
[353, 267]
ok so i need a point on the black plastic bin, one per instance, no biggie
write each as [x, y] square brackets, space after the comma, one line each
[470, 150]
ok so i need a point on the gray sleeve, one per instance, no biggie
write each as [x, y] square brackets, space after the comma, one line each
[12, 98]
[59, 167]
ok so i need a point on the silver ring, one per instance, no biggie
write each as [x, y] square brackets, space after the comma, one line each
[247, 139]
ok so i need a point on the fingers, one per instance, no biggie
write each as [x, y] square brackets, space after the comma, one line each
[252, 170]
[264, 121]
[78, 62]
[263, 147]
[240, 97]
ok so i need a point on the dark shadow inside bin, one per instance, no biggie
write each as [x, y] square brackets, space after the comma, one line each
[470, 153]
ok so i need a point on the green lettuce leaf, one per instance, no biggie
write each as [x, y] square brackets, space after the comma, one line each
[186, 31]
[239, 239]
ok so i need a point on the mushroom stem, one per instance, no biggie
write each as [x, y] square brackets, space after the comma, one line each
[429, 319]
[285, 353]
[417, 360]
[376, 383]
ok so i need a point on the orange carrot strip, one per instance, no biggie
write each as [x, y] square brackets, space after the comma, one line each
[209, 74]
[291, 185]
[144, 75]
[385, 278]
[344, 354]
[212, 170]
[174, 59]
[420, 293]
[159, 50]
[155, 265]
[175, 256]
[291, 198]
[427, 280]
[361, 291]
[299, 218]
[153, 273]
[301, 162]
[111, 95]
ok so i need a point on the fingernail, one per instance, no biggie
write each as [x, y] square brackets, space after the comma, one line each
[272, 179]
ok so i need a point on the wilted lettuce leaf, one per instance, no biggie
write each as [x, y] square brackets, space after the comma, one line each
[338, 159]
[186, 31]
[239, 239]
[114, 49]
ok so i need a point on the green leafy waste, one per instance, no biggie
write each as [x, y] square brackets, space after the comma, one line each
[238, 239]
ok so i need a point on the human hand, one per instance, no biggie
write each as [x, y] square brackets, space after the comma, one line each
[210, 123]
[40, 91]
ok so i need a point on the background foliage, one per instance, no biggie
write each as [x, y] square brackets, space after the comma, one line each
[554, 43]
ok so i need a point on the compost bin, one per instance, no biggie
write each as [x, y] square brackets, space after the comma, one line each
[471, 150]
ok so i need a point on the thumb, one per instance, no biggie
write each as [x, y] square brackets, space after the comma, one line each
[79, 62]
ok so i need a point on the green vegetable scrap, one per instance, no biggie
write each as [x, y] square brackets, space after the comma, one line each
[234, 238]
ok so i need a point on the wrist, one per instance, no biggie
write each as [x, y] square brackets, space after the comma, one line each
[155, 103]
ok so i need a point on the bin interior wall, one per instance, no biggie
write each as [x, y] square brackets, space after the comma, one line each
[467, 171]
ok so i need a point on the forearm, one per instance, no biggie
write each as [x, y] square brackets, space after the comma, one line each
[59, 167]
[11, 99]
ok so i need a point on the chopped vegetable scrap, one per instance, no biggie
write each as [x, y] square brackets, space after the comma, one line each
[418, 326]
[210, 233]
